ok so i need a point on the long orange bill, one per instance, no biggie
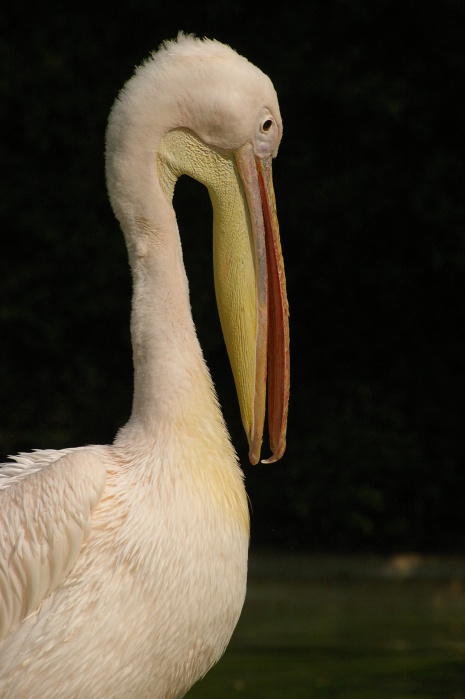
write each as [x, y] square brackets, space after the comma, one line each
[278, 318]
[272, 335]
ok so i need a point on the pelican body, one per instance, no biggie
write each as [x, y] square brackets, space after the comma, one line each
[123, 567]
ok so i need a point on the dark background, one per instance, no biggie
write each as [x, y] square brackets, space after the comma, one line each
[370, 188]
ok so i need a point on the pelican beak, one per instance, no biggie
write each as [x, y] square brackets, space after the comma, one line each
[249, 263]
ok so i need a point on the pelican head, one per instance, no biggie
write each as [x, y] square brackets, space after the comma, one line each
[198, 108]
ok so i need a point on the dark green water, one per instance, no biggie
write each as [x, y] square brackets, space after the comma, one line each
[373, 630]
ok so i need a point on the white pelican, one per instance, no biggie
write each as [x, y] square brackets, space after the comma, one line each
[123, 567]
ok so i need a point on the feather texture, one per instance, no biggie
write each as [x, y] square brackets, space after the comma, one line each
[46, 503]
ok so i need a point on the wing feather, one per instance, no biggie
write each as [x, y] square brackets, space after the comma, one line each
[45, 516]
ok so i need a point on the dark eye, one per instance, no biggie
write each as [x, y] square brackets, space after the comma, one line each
[267, 124]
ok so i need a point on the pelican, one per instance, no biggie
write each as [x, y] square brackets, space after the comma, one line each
[123, 567]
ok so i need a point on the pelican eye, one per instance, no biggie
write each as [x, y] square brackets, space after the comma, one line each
[267, 124]
[266, 138]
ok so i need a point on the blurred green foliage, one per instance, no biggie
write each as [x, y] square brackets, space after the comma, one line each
[370, 187]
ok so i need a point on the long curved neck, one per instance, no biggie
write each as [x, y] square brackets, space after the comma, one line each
[169, 369]
[168, 362]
